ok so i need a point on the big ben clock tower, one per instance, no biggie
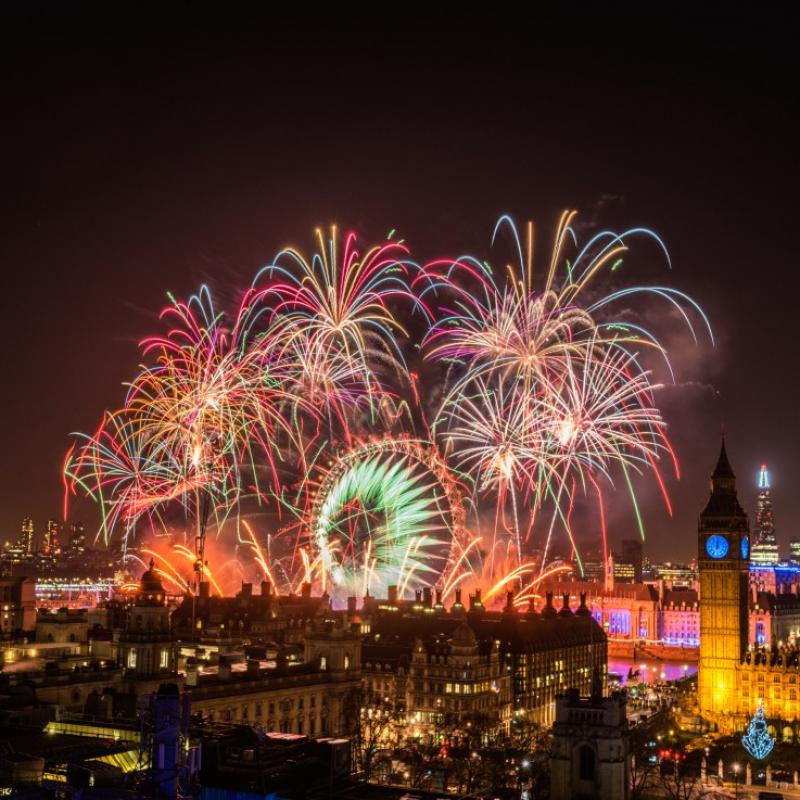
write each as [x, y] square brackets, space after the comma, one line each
[723, 537]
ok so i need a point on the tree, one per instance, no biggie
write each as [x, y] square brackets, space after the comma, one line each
[380, 721]
[757, 740]
[676, 784]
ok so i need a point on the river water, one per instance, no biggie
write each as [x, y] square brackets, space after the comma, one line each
[651, 671]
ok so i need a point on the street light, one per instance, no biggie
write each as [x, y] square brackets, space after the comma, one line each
[736, 769]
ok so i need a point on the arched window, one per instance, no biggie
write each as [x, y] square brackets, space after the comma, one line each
[586, 763]
[346, 661]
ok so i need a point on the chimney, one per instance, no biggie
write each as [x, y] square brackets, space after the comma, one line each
[458, 598]
[427, 597]
[192, 672]
[266, 589]
[351, 605]
[247, 590]
[509, 609]
[306, 590]
[205, 588]
[418, 597]
[475, 600]
[439, 603]
[393, 595]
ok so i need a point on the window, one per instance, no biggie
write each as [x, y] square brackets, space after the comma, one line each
[323, 662]
[586, 763]
[164, 658]
[258, 710]
[346, 661]
[132, 659]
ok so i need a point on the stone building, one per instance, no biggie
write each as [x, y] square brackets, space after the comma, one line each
[436, 663]
[17, 605]
[64, 625]
[318, 697]
[145, 647]
[247, 617]
[590, 758]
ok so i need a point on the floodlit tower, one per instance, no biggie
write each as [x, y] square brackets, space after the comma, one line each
[723, 563]
[765, 549]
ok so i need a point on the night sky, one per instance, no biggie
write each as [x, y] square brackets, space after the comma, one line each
[143, 154]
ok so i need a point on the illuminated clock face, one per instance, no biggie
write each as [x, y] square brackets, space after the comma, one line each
[745, 547]
[717, 546]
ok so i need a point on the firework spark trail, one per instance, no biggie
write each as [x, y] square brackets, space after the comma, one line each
[545, 389]
[545, 397]
[330, 316]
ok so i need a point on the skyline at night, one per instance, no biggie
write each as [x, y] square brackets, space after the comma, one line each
[136, 177]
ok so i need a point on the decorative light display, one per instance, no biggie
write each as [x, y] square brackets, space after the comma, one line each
[757, 739]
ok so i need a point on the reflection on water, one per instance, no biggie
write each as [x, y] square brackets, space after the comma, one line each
[651, 671]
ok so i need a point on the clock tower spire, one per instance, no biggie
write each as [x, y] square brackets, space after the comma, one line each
[723, 534]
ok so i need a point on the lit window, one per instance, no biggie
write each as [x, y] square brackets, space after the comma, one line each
[165, 659]
[347, 662]
[131, 659]
[323, 662]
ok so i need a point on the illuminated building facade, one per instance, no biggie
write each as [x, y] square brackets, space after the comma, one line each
[680, 618]
[624, 611]
[774, 619]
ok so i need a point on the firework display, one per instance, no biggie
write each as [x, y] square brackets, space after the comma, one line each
[293, 430]
[387, 513]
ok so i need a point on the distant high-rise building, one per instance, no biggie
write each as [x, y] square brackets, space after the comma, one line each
[794, 550]
[26, 536]
[52, 545]
[77, 539]
[765, 548]
[632, 554]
